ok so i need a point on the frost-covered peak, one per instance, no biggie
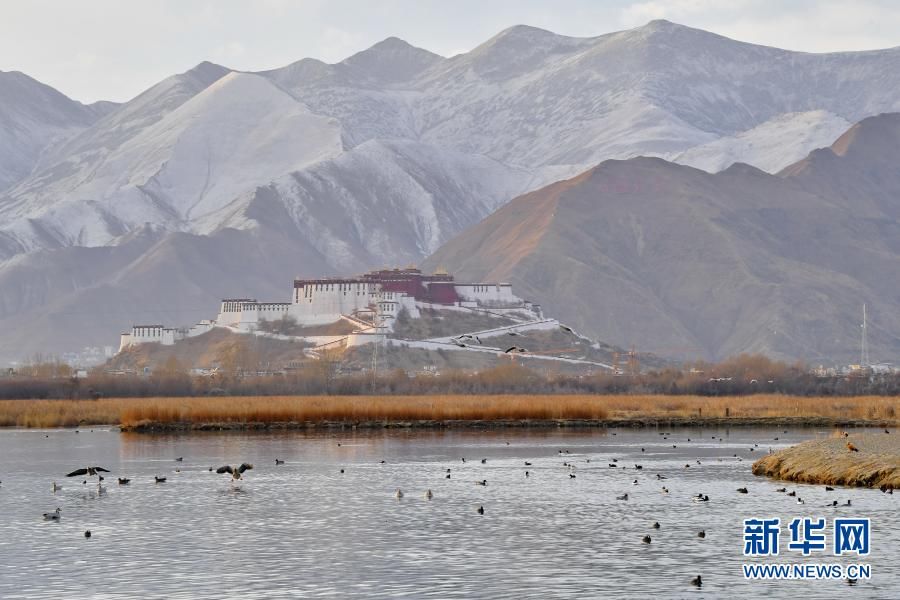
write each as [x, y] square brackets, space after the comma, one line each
[392, 60]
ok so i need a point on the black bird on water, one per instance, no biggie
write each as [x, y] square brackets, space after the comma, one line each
[480, 510]
[656, 525]
[701, 533]
[696, 581]
[646, 539]
[742, 490]
[124, 481]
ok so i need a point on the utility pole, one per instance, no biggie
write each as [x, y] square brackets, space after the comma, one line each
[864, 345]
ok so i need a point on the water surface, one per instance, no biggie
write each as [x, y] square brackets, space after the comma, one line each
[304, 529]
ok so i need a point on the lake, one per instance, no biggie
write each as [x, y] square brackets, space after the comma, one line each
[304, 529]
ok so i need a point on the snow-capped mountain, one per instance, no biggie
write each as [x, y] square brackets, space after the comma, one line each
[770, 146]
[381, 158]
[33, 119]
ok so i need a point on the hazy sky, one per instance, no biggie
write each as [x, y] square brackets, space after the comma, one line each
[114, 49]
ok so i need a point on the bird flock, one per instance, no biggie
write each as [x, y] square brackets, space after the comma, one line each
[571, 464]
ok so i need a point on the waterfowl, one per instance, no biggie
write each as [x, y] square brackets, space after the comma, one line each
[833, 503]
[828, 488]
[53, 516]
[612, 466]
[527, 474]
[56, 488]
[235, 471]
[399, 493]
[343, 471]
[622, 497]
[848, 503]
[278, 461]
[448, 476]
[800, 500]
[700, 498]
[87, 533]
[527, 464]
[851, 581]
[571, 475]
[781, 490]
[658, 476]
[482, 482]
[696, 581]
[701, 533]
[638, 467]
[480, 510]
[635, 482]
[742, 490]
[179, 459]
[665, 490]
[89, 471]
[852, 448]
[124, 481]
[646, 539]
[794, 493]
[483, 461]
[159, 479]
[428, 495]
[656, 525]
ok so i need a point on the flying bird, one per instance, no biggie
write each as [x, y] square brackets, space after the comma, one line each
[89, 471]
[235, 471]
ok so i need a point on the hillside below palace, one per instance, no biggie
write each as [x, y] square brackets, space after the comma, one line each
[371, 302]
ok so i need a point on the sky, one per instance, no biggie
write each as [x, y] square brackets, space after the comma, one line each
[114, 49]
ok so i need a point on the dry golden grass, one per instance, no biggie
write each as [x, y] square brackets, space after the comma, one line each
[272, 409]
[828, 461]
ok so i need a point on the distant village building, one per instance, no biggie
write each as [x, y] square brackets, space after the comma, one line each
[371, 301]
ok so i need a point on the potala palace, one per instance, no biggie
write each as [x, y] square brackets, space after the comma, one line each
[370, 302]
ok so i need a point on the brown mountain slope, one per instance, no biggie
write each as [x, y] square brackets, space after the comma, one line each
[685, 263]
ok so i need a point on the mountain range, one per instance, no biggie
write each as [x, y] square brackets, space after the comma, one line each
[216, 182]
[679, 261]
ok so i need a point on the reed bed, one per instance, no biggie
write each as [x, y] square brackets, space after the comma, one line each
[285, 409]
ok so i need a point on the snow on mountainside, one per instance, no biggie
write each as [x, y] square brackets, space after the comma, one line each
[383, 157]
[238, 133]
[775, 144]
[33, 117]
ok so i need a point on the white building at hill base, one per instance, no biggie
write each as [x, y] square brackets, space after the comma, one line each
[371, 302]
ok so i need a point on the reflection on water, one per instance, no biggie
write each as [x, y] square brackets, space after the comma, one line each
[304, 529]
